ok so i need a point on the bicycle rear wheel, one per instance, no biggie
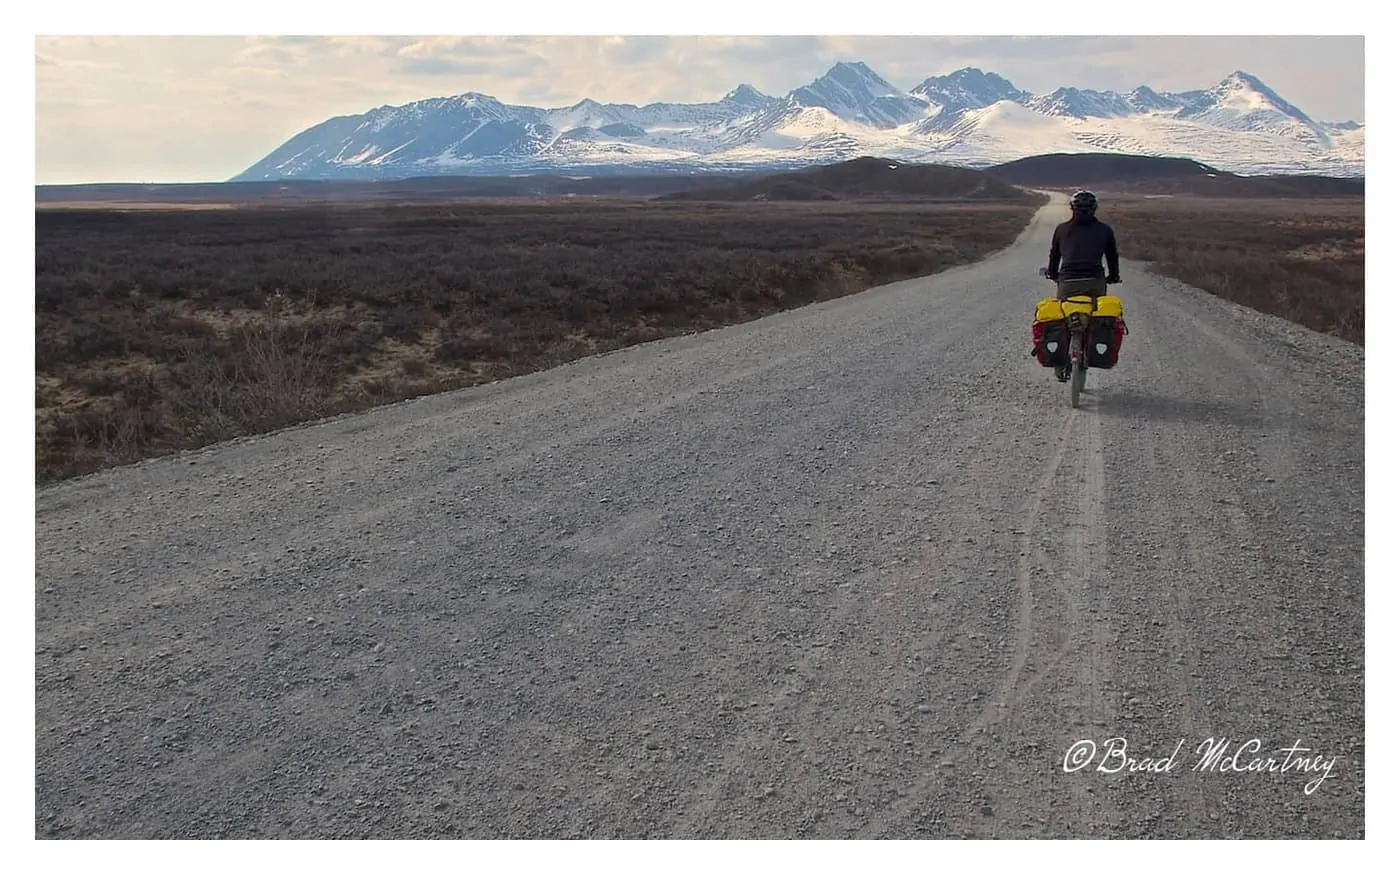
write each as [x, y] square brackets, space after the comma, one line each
[1076, 364]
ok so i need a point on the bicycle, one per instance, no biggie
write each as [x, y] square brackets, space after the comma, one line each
[1078, 313]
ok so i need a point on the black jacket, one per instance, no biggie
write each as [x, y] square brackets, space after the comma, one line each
[1079, 248]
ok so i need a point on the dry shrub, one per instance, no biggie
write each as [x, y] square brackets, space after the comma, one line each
[160, 331]
[1299, 259]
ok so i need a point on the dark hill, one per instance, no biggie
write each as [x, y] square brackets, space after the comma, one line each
[413, 190]
[1151, 175]
[866, 179]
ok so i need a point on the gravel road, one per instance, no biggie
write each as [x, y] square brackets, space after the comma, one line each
[851, 571]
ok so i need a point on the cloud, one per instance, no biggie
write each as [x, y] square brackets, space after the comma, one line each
[543, 94]
[517, 67]
[361, 45]
[440, 67]
[432, 47]
[644, 69]
[272, 55]
[763, 50]
[490, 58]
[1062, 49]
[637, 49]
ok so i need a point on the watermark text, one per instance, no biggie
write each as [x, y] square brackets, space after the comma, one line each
[1210, 756]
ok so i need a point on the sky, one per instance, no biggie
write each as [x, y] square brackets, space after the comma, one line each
[204, 108]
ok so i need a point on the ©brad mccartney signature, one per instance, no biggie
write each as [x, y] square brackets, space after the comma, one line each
[1214, 755]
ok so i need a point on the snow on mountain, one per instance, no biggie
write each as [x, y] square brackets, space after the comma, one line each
[968, 88]
[1000, 132]
[1079, 103]
[582, 147]
[810, 132]
[1144, 99]
[1348, 144]
[952, 97]
[1242, 95]
[856, 93]
[1242, 103]
[968, 117]
[748, 96]
[590, 114]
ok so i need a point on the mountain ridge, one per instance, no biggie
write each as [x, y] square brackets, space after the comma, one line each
[968, 117]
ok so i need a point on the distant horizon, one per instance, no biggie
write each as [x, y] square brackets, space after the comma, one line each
[117, 110]
[630, 172]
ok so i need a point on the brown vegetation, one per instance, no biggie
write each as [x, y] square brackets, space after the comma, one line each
[1302, 260]
[160, 331]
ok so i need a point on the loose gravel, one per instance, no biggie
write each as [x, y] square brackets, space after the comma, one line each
[850, 571]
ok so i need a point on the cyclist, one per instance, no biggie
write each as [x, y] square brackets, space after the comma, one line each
[1078, 250]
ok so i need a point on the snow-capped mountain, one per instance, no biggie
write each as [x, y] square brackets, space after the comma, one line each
[1078, 103]
[968, 88]
[1243, 103]
[968, 117]
[1144, 99]
[855, 93]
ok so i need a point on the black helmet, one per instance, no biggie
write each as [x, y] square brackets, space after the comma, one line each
[1084, 203]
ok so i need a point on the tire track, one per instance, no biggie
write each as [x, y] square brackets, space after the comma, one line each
[1008, 695]
[1052, 620]
[1087, 581]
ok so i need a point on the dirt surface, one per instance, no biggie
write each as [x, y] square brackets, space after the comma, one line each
[855, 570]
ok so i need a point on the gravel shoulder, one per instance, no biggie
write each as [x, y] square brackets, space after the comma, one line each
[813, 576]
